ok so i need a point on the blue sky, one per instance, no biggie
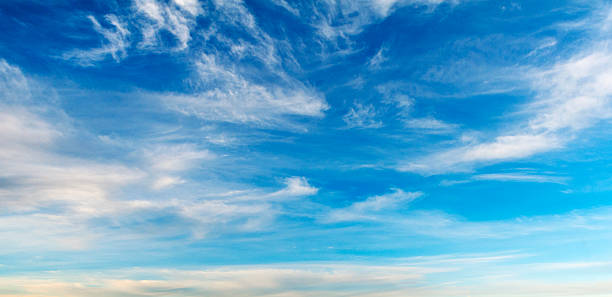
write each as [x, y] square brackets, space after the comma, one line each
[305, 148]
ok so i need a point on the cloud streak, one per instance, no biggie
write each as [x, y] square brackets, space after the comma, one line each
[571, 96]
[116, 43]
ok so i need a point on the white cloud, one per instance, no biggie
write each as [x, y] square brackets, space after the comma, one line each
[378, 59]
[520, 177]
[571, 96]
[502, 148]
[40, 185]
[116, 43]
[247, 210]
[21, 129]
[177, 17]
[176, 157]
[370, 208]
[192, 6]
[296, 186]
[495, 274]
[340, 19]
[46, 196]
[230, 97]
[285, 5]
[27, 232]
[574, 94]
[265, 280]
[34, 175]
[429, 125]
[220, 89]
[13, 84]
[164, 182]
[167, 161]
[362, 116]
[436, 224]
[391, 200]
[508, 177]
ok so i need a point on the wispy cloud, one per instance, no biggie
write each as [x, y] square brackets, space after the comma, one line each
[442, 225]
[167, 161]
[509, 177]
[116, 42]
[429, 125]
[35, 176]
[497, 275]
[296, 186]
[362, 116]
[571, 96]
[228, 96]
[40, 185]
[220, 89]
[372, 207]
[341, 19]
[176, 17]
[518, 177]
[378, 59]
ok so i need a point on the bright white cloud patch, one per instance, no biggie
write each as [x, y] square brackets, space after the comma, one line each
[296, 186]
[176, 17]
[502, 148]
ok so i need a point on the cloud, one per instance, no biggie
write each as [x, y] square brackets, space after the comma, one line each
[229, 97]
[266, 280]
[341, 19]
[221, 89]
[370, 208]
[436, 224]
[509, 177]
[378, 59]
[176, 17]
[519, 177]
[573, 96]
[13, 84]
[429, 125]
[243, 211]
[34, 176]
[176, 157]
[502, 148]
[296, 186]
[116, 43]
[192, 6]
[164, 182]
[149, 18]
[70, 194]
[362, 116]
[285, 5]
[47, 196]
[570, 96]
[494, 274]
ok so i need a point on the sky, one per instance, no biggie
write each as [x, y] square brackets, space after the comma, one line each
[423, 148]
